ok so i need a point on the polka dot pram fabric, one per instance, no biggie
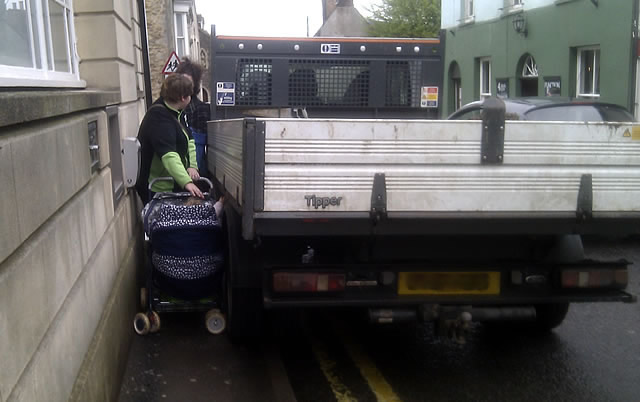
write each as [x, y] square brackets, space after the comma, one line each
[185, 236]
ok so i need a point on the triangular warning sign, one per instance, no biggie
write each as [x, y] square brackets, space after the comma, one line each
[172, 64]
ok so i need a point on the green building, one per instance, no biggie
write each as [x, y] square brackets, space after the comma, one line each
[512, 48]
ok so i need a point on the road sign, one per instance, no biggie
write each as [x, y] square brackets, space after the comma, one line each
[172, 64]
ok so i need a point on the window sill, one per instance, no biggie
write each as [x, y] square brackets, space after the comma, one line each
[558, 2]
[24, 106]
[40, 83]
[512, 9]
[467, 20]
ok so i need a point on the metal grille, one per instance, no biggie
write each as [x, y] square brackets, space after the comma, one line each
[253, 80]
[328, 83]
[402, 83]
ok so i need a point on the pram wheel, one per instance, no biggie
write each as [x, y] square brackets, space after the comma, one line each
[141, 324]
[215, 321]
[154, 319]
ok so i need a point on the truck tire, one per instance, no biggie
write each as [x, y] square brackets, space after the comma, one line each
[550, 316]
[244, 313]
[243, 305]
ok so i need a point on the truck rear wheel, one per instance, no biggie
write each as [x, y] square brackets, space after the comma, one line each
[550, 316]
[243, 304]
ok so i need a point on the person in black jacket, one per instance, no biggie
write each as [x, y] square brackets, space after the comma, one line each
[166, 144]
[197, 113]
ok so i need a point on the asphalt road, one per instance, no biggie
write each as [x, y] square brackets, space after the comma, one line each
[593, 356]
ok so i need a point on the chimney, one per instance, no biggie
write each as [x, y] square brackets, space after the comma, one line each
[328, 6]
[345, 3]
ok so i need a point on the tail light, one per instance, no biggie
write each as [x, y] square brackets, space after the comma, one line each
[595, 278]
[307, 282]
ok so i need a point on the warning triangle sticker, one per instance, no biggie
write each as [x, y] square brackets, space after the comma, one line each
[172, 64]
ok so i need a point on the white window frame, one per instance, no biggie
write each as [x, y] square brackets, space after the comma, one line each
[595, 76]
[467, 11]
[530, 68]
[45, 76]
[485, 62]
[181, 10]
[512, 6]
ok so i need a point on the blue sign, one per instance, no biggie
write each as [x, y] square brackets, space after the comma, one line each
[226, 93]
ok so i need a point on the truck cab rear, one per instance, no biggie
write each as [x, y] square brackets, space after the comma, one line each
[372, 203]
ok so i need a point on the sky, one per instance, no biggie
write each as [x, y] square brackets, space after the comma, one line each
[267, 17]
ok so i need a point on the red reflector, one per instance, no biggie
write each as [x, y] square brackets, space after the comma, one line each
[569, 279]
[595, 278]
[621, 278]
[307, 282]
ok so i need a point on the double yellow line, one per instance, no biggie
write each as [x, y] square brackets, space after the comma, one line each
[377, 383]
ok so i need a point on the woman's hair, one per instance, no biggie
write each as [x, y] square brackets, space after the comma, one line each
[192, 69]
[175, 86]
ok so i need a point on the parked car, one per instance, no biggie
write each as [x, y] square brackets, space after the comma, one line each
[549, 109]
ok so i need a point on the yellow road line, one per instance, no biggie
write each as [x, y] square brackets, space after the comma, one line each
[380, 387]
[340, 390]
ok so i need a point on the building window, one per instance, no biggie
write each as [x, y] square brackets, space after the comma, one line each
[512, 6]
[588, 75]
[467, 11]
[181, 20]
[529, 68]
[38, 44]
[485, 78]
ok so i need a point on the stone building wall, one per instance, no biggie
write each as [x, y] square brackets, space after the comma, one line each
[161, 39]
[70, 233]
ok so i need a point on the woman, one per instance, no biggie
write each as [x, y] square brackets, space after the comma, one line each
[167, 146]
[197, 113]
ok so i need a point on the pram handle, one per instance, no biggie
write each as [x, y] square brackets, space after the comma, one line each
[166, 178]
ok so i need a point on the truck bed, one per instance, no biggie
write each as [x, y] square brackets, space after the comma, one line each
[554, 177]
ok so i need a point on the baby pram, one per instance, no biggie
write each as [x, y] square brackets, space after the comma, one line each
[184, 244]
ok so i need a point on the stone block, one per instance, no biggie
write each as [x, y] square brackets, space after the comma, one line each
[24, 316]
[95, 212]
[124, 38]
[35, 163]
[73, 159]
[103, 74]
[96, 36]
[9, 230]
[128, 82]
[93, 6]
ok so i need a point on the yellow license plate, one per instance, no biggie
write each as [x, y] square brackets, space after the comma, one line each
[449, 283]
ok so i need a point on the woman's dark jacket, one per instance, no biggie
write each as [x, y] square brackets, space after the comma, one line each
[167, 149]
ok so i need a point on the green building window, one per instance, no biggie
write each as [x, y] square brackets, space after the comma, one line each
[485, 78]
[588, 77]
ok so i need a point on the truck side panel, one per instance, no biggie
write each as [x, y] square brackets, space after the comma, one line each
[327, 166]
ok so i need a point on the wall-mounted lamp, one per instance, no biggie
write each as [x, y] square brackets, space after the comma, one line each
[520, 25]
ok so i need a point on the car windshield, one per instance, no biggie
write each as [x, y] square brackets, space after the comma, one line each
[579, 113]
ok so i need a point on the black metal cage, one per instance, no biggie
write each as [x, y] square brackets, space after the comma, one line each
[328, 77]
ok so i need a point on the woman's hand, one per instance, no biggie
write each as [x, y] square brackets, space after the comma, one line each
[194, 190]
[193, 173]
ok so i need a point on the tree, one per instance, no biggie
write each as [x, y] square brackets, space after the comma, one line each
[406, 19]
